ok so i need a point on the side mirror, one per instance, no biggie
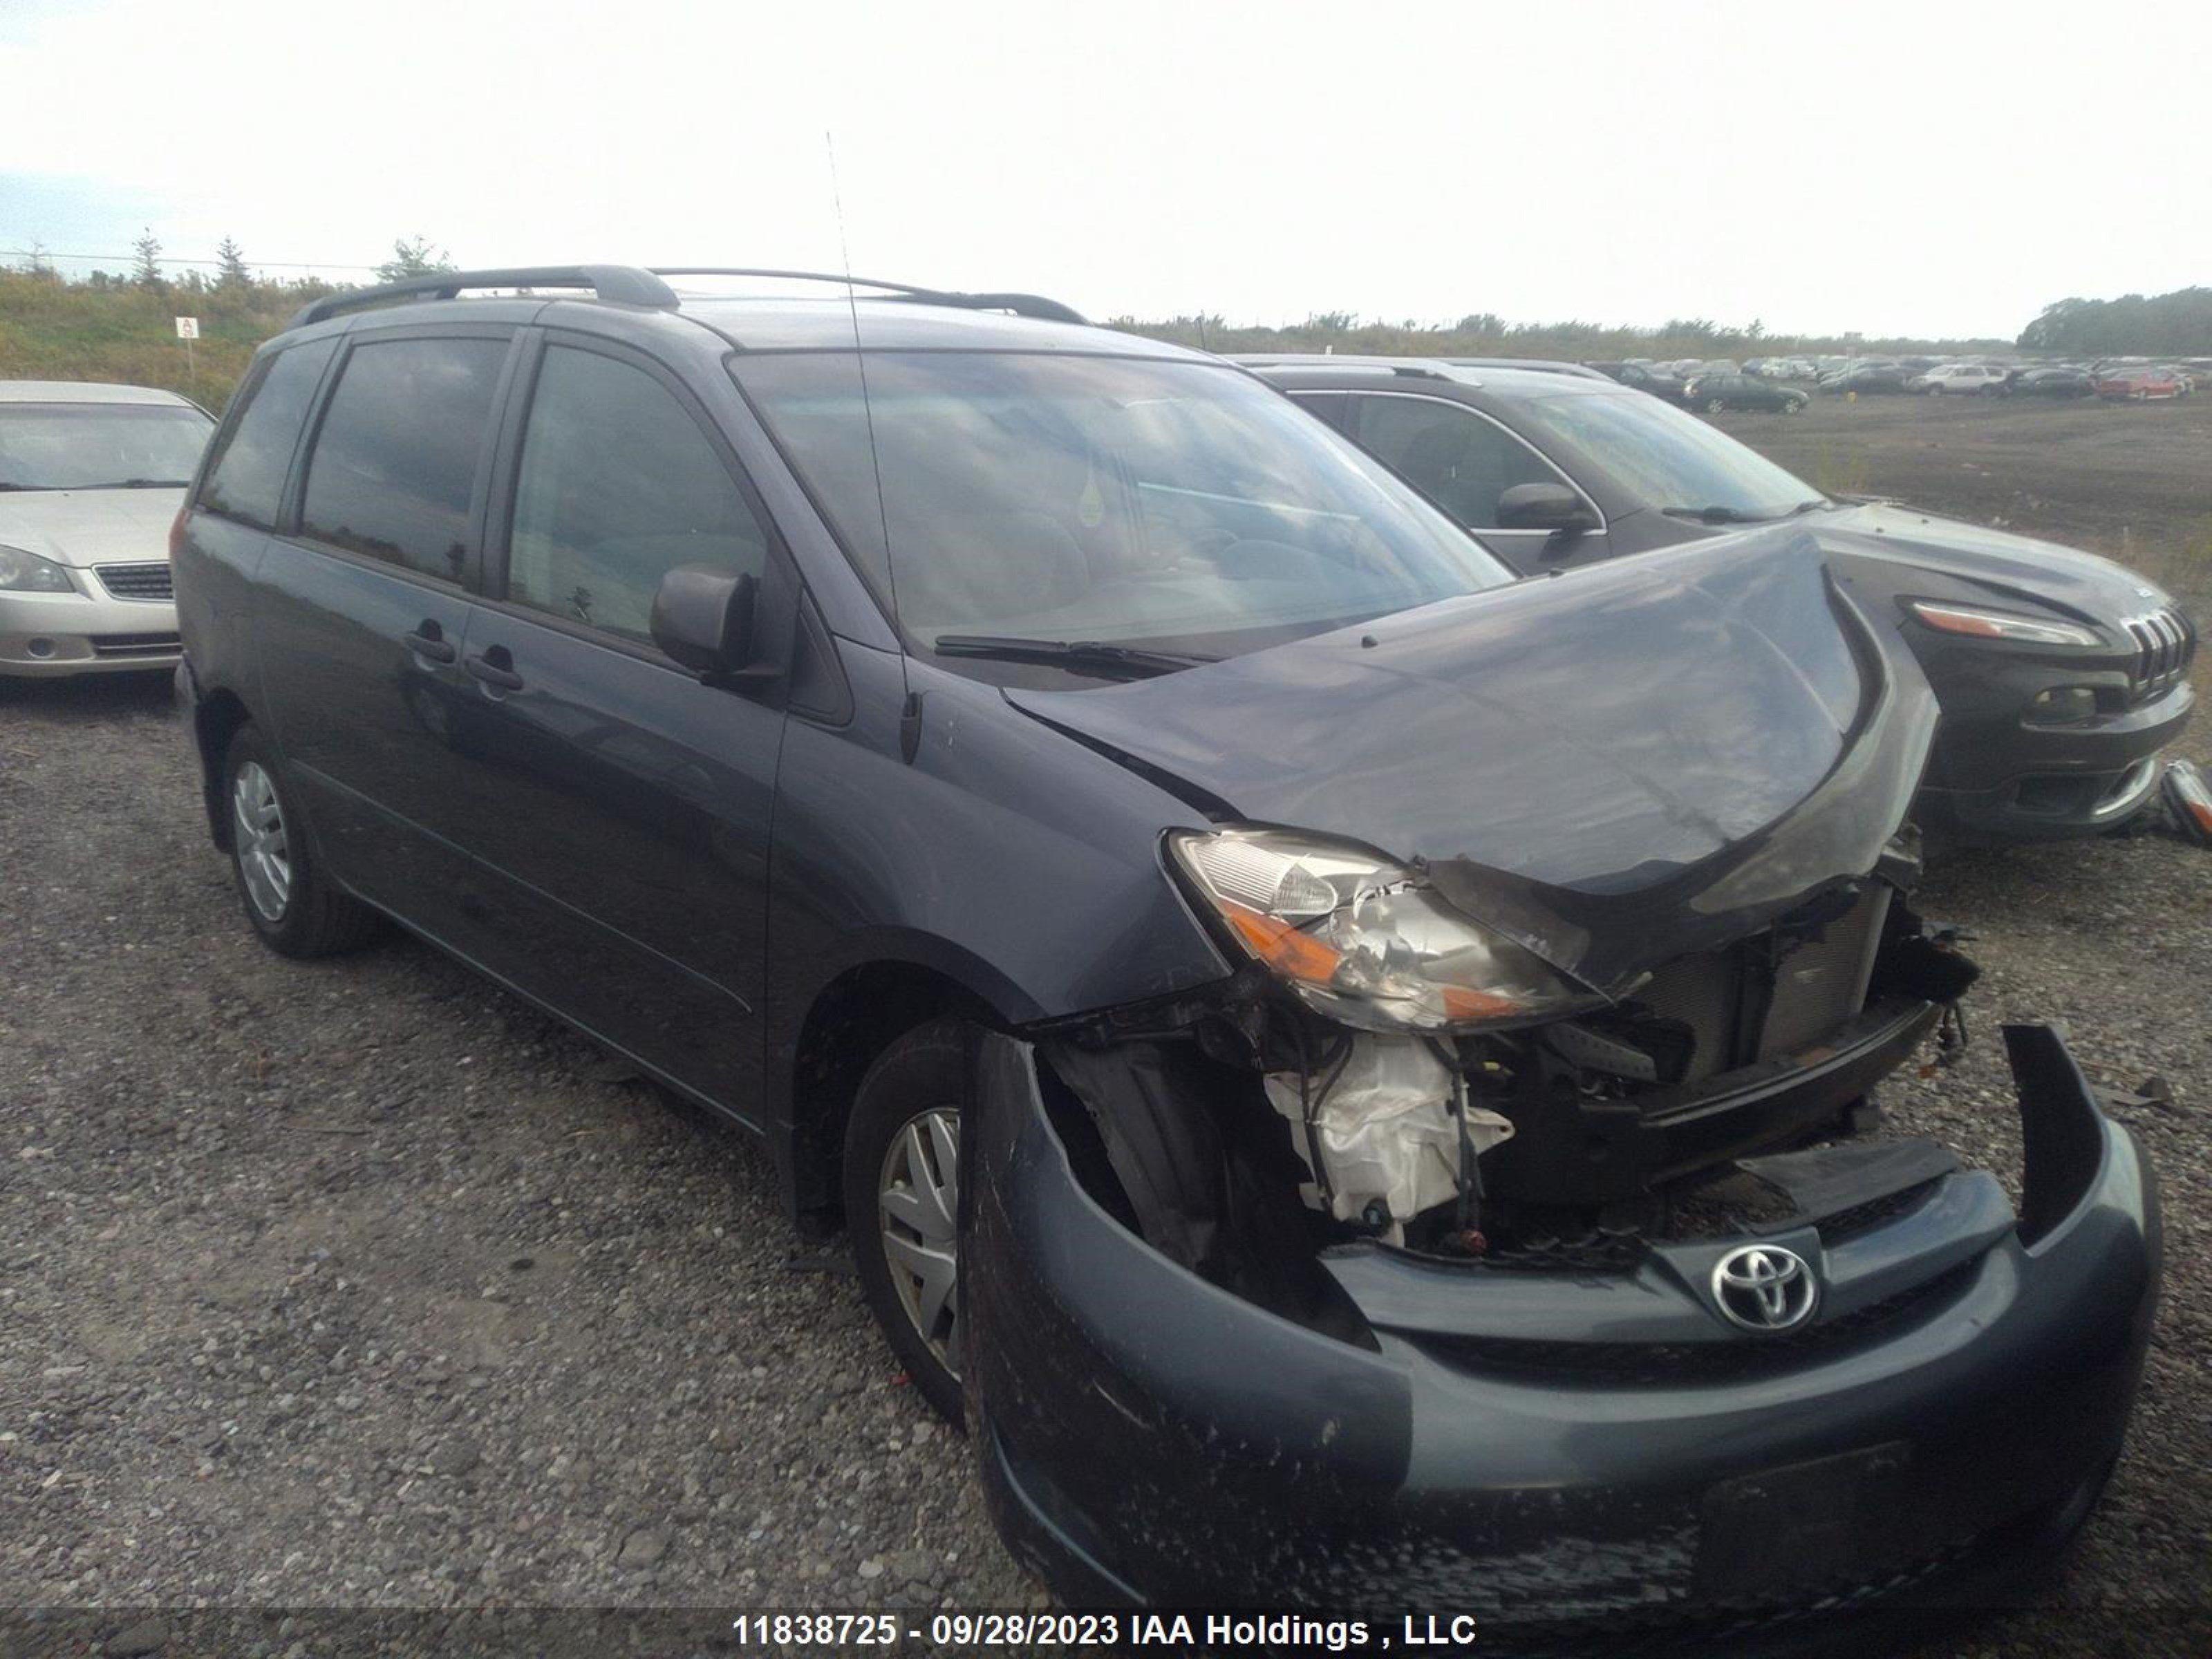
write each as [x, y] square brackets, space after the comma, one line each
[703, 617]
[1551, 507]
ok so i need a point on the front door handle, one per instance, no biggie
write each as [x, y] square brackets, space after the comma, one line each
[430, 643]
[495, 668]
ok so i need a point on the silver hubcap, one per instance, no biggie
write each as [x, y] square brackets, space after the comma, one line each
[918, 1203]
[257, 829]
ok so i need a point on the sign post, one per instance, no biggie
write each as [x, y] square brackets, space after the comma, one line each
[188, 330]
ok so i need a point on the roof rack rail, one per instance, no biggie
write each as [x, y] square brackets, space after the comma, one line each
[1320, 362]
[619, 284]
[1022, 305]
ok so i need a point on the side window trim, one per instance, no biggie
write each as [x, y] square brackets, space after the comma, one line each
[1560, 472]
[506, 479]
[311, 431]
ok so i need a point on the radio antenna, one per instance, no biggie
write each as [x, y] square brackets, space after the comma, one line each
[867, 409]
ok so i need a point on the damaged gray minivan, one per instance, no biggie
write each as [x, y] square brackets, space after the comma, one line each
[1349, 1068]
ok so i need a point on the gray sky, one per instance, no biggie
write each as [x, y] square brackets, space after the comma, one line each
[1921, 169]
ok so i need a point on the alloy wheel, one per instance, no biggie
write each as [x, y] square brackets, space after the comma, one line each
[264, 847]
[918, 1207]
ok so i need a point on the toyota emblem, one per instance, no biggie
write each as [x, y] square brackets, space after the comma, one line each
[1763, 1288]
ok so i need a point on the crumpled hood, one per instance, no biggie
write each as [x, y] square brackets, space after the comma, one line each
[1616, 766]
[85, 527]
[2018, 568]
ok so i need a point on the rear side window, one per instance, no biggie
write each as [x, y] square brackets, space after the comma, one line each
[618, 486]
[394, 466]
[1452, 455]
[246, 475]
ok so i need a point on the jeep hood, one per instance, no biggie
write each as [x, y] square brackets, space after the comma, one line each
[86, 527]
[2017, 569]
[1616, 766]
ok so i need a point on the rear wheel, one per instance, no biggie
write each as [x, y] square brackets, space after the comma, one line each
[292, 906]
[901, 1184]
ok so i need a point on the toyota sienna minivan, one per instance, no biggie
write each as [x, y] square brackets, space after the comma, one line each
[1341, 1064]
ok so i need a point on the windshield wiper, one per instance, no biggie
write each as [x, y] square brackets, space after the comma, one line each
[137, 483]
[1082, 656]
[1715, 514]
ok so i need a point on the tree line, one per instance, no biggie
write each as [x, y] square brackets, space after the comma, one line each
[2179, 325]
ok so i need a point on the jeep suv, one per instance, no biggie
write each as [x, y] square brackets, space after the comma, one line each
[1316, 1042]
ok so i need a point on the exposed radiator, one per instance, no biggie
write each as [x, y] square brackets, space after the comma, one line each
[1820, 984]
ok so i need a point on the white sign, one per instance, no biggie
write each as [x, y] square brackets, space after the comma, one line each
[188, 328]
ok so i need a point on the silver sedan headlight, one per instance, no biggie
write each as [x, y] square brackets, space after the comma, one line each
[27, 573]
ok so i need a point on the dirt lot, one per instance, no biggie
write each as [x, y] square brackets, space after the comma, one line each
[360, 1285]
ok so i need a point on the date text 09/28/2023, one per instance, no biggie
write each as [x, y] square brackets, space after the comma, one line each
[1263, 1632]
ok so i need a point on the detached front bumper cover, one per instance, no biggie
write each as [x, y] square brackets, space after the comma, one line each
[1558, 1451]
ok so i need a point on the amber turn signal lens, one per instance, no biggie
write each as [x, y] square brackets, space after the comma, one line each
[1286, 949]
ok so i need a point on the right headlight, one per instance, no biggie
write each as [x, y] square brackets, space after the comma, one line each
[27, 573]
[1365, 941]
[2000, 625]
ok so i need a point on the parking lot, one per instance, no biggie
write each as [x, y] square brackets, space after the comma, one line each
[359, 1282]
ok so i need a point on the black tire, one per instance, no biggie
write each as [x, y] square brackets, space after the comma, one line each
[313, 918]
[1714, 406]
[918, 1082]
[1793, 405]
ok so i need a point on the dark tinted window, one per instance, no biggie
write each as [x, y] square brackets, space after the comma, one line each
[1331, 406]
[246, 478]
[618, 487]
[395, 462]
[1452, 455]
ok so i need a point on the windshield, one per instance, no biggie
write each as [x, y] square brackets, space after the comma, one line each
[1665, 457]
[1072, 498]
[99, 446]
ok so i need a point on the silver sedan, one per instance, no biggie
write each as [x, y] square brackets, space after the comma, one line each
[91, 478]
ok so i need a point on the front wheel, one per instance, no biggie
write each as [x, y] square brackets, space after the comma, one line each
[901, 1185]
[1793, 405]
[1714, 406]
[292, 905]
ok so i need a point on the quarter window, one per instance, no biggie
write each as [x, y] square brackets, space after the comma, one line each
[1455, 457]
[394, 467]
[618, 487]
[245, 476]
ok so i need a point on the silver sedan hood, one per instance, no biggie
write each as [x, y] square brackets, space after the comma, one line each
[86, 527]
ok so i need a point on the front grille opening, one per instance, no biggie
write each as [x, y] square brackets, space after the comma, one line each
[137, 581]
[2165, 643]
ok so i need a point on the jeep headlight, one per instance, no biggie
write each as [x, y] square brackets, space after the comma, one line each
[27, 573]
[1365, 941]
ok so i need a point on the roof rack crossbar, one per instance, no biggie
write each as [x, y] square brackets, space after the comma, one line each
[1022, 305]
[618, 284]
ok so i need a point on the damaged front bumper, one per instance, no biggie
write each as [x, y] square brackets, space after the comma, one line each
[1565, 1450]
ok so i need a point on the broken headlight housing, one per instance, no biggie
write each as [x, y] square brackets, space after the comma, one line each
[1366, 941]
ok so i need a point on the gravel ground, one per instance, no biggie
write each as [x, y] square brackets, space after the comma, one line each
[360, 1284]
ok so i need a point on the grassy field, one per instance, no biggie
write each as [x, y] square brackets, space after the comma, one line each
[53, 331]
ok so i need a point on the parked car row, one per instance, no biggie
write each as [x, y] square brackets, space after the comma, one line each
[1305, 913]
[1784, 384]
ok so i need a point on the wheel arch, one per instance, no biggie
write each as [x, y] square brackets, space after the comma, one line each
[218, 718]
[859, 1012]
